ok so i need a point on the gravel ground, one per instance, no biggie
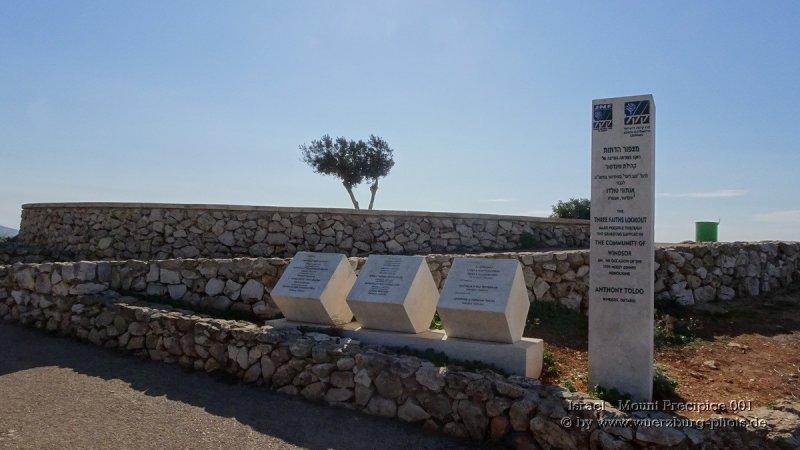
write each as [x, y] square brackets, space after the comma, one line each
[57, 393]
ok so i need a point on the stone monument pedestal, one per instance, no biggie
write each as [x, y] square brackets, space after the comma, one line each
[523, 357]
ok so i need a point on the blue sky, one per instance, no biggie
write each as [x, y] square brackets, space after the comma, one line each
[487, 104]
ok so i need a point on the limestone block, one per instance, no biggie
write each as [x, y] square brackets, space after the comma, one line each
[252, 290]
[25, 279]
[176, 291]
[395, 293]
[87, 271]
[484, 299]
[170, 276]
[314, 288]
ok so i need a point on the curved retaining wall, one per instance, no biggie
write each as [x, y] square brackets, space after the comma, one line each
[687, 274]
[480, 406]
[101, 231]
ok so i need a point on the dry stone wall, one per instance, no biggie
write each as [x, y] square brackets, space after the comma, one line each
[477, 405]
[237, 286]
[696, 274]
[687, 274]
[102, 231]
[12, 251]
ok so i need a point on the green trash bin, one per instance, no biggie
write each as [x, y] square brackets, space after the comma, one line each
[706, 231]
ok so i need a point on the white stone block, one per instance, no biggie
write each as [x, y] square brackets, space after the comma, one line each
[395, 293]
[484, 299]
[314, 289]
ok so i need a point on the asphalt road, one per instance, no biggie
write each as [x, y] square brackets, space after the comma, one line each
[57, 393]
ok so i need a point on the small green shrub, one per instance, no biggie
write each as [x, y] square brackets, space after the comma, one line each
[612, 395]
[549, 363]
[436, 323]
[570, 385]
[528, 240]
[669, 331]
[663, 385]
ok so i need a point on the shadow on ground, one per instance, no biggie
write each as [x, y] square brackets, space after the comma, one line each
[290, 420]
[771, 314]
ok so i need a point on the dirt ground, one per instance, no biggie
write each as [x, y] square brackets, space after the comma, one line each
[743, 354]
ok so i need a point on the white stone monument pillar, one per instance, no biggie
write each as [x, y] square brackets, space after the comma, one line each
[622, 247]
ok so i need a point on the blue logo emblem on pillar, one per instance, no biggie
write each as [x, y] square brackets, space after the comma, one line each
[637, 113]
[602, 117]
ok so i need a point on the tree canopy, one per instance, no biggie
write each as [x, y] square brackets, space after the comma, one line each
[574, 208]
[350, 161]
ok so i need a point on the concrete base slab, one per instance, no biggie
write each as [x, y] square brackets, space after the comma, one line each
[523, 357]
[286, 323]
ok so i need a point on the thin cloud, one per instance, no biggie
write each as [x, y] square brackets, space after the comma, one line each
[722, 193]
[497, 200]
[788, 216]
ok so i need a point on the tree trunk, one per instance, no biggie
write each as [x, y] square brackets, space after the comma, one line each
[352, 197]
[373, 189]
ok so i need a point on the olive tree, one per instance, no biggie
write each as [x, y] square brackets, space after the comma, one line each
[350, 161]
[378, 161]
